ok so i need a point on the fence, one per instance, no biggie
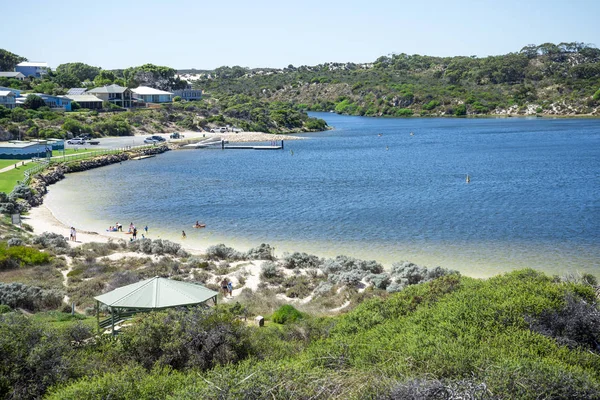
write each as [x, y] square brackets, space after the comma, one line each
[46, 162]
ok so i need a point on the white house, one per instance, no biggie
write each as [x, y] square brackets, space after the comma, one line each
[12, 75]
[151, 95]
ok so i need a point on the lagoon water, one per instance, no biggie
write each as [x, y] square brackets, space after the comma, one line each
[371, 190]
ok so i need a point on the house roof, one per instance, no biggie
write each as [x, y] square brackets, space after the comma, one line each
[76, 91]
[83, 98]
[157, 293]
[10, 74]
[4, 93]
[32, 64]
[146, 91]
[108, 89]
[18, 144]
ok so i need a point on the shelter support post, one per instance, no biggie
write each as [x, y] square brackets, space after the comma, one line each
[98, 314]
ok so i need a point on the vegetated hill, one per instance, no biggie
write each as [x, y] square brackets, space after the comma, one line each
[241, 111]
[561, 79]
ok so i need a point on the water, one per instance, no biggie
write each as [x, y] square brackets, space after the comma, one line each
[371, 190]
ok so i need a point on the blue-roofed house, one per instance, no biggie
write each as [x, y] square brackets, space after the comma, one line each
[17, 92]
[56, 102]
[8, 99]
[35, 69]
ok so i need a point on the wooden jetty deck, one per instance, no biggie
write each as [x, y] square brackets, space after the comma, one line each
[215, 144]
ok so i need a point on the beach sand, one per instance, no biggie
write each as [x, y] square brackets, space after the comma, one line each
[238, 137]
[42, 220]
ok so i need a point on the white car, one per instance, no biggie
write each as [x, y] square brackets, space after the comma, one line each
[75, 141]
[149, 140]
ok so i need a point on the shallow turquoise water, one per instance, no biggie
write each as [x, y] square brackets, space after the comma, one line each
[371, 190]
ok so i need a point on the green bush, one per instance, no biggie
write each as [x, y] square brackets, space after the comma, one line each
[286, 314]
[21, 256]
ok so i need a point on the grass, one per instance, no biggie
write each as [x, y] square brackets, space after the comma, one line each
[10, 178]
[6, 163]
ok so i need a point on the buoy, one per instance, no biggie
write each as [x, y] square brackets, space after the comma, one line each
[468, 178]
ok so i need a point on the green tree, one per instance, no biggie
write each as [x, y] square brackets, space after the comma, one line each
[9, 60]
[460, 110]
[33, 102]
[67, 80]
[104, 77]
[82, 71]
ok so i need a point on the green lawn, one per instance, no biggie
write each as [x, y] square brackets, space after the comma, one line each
[6, 163]
[9, 179]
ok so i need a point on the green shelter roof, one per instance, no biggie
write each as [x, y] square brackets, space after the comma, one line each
[157, 293]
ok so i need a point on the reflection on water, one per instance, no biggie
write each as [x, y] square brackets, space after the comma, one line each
[371, 190]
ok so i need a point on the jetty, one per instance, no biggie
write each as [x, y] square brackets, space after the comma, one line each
[143, 157]
[224, 145]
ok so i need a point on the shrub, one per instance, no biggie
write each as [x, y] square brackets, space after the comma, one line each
[301, 260]
[198, 338]
[269, 270]
[262, 252]
[286, 314]
[575, 324]
[14, 241]
[424, 389]
[222, 252]
[407, 273]
[20, 256]
[157, 246]
[18, 295]
[53, 241]
[4, 309]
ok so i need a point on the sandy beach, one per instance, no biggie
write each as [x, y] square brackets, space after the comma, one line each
[238, 137]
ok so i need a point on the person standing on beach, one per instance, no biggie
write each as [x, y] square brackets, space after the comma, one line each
[73, 234]
[225, 286]
[183, 236]
[134, 233]
[230, 288]
[146, 229]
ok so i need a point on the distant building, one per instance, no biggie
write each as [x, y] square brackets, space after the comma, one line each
[86, 100]
[12, 75]
[8, 99]
[188, 94]
[35, 69]
[151, 95]
[17, 92]
[57, 103]
[118, 95]
[22, 150]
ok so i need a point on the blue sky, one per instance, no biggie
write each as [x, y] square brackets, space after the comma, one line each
[205, 35]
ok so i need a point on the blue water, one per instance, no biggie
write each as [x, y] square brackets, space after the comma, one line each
[371, 190]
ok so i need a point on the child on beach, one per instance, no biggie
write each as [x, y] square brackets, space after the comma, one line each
[183, 236]
[225, 286]
[230, 288]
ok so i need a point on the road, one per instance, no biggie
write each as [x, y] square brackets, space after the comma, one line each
[114, 142]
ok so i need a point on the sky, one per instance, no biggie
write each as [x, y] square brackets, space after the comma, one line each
[264, 33]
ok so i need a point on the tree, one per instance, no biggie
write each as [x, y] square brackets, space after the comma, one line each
[9, 60]
[33, 102]
[105, 77]
[156, 76]
[82, 71]
[67, 80]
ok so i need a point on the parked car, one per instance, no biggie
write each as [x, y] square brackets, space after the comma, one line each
[175, 135]
[219, 130]
[158, 138]
[237, 130]
[149, 140]
[94, 141]
[76, 141]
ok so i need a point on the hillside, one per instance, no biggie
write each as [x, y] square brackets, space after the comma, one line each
[336, 328]
[549, 79]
